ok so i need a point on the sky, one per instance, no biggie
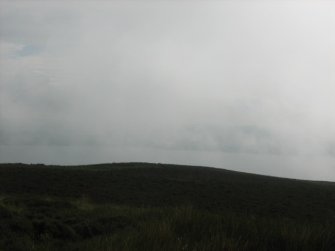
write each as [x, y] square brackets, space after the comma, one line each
[240, 85]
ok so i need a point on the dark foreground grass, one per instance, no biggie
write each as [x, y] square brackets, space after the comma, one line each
[160, 207]
[52, 224]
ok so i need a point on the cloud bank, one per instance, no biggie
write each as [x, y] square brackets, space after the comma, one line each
[242, 85]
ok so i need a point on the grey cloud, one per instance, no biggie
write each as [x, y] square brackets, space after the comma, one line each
[39, 95]
[31, 23]
[330, 149]
[229, 139]
[216, 83]
[47, 135]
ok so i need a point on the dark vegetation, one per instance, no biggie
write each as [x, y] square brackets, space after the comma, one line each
[140, 206]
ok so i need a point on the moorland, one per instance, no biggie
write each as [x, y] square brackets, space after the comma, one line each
[143, 206]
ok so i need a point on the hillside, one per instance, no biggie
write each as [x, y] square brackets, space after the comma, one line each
[122, 206]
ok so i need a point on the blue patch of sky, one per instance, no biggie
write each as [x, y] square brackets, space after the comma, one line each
[28, 50]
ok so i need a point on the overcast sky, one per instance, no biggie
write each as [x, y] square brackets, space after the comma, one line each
[242, 85]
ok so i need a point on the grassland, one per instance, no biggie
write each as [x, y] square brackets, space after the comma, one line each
[141, 206]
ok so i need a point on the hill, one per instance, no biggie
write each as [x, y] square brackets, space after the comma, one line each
[142, 206]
